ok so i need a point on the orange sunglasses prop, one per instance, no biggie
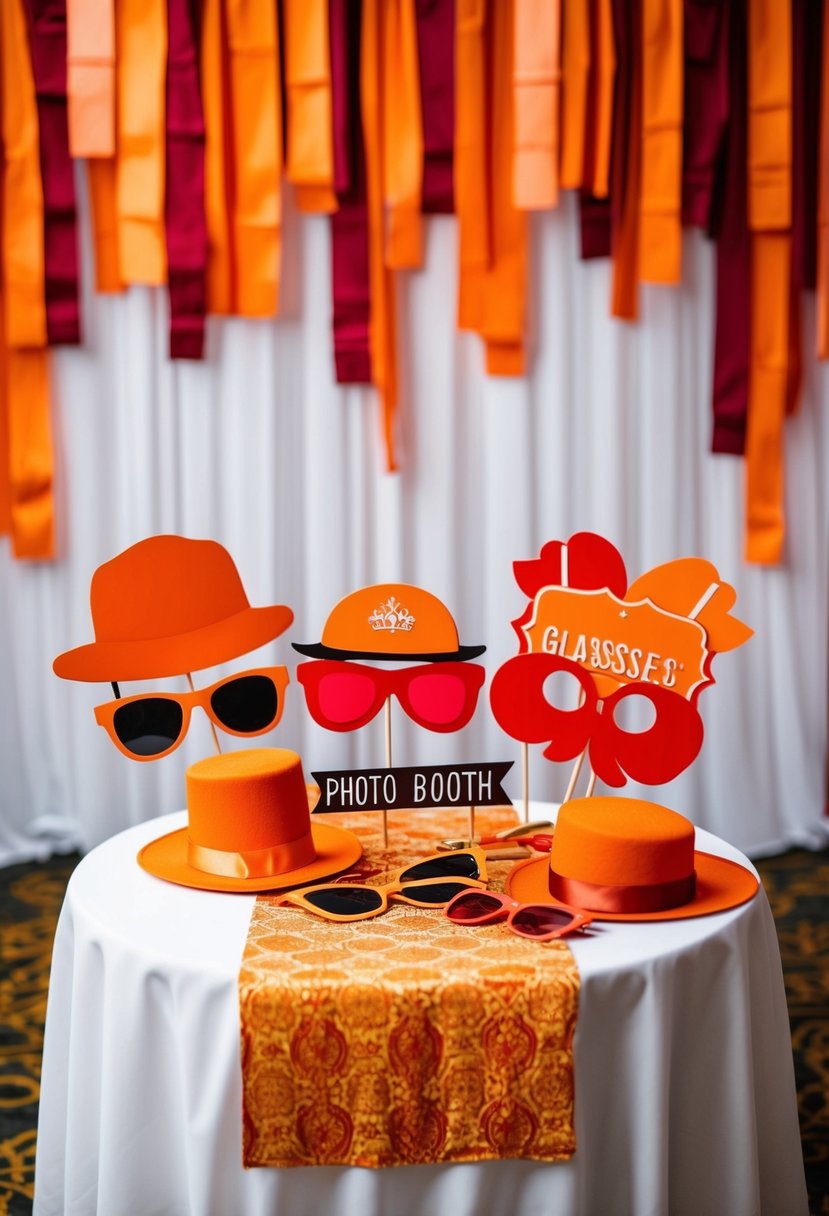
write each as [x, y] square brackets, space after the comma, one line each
[151, 725]
[541, 922]
[344, 696]
[430, 883]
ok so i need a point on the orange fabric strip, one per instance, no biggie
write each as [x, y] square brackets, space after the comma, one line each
[218, 160]
[660, 203]
[253, 42]
[310, 142]
[31, 458]
[394, 1041]
[575, 70]
[5, 466]
[536, 103]
[142, 66]
[769, 115]
[23, 254]
[101, 176]
[770, 261]
[402, 136]
[382, 326]
[823, 199]
[90, 76]
[605, 76]
[472, 201]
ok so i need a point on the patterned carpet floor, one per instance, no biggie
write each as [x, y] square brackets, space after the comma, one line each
[797, 884]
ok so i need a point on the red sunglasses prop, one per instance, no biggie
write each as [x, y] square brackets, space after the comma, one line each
[651, 756]
[346, 695]
[542, 922]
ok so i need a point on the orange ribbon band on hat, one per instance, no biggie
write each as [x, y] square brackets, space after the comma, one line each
[252, 863]
[624, 899]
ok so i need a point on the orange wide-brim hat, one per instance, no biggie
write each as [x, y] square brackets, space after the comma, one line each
[249, 828]
[166, 606]
[390, 622]
[626, 859]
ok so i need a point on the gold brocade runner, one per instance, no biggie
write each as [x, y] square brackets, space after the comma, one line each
[404, 1039]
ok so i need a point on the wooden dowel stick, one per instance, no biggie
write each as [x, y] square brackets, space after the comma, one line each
[210, 720]
[574, 776]
[591, 785]
[388, 765]
[525, 779]
[472, 823]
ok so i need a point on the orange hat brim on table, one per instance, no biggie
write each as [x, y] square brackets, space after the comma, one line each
[601, 841]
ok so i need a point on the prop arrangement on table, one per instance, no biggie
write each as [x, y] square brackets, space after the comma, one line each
[396, 623]
[652, 640]
[391, 115]
[169, 606]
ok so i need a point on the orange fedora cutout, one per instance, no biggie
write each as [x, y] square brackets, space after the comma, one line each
[166, 606]
[390, 622]
[625, 859]
[249, 828]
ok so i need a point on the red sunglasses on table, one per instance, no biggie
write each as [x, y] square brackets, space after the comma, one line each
[346, 695]
[541, 922]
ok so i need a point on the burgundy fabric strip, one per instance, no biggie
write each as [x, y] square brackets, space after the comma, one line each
[624, 37]
[796, 276]
[813, 41]
[349, 223]
[46, 24]
[594, 213]
[184, 216]
[436, 62]
[706, 104]
[733, 292]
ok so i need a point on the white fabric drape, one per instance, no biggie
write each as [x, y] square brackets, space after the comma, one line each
[259, 449]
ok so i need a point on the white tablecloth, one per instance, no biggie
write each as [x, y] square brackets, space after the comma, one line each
[685, 1097]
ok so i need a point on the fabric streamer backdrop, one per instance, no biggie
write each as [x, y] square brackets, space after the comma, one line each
[259, 449]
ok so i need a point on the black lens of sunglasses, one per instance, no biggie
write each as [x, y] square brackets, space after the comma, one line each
[538, 919]
[475, 904]
[247, 704]
[345, 901]
[448, 865]
[148, 726]
[440, 893]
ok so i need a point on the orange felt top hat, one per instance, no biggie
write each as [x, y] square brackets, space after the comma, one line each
[165, 606]
[624, 859]
[249, 828]
[390, 622]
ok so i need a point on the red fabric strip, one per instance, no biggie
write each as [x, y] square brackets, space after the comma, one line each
[626, 900]
[706, 104]
[46, 27]
[733, 291]
[436, 61]
[184, 213]
[349, 223]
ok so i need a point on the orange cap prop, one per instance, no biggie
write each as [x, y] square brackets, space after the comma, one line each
[624, 859]
[165, 606]
[389, 622]
[249, 828]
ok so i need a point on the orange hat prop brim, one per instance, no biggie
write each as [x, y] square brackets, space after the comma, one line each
[627, 859]
[166, 857]
[166, 606]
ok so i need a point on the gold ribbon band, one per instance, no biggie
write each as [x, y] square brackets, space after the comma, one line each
[252, 863]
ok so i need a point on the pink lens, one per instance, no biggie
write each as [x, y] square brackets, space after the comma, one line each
[345, 696]
[473, 905]
[437, 698]
[537, 920]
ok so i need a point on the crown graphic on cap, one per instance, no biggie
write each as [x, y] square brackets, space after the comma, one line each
[392, 616]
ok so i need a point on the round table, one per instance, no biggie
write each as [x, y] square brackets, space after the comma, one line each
[684, 1086]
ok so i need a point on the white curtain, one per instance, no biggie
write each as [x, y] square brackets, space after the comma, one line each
[258, 448]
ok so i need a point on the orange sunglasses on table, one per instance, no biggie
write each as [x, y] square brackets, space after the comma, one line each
[344, 695]
[151, 725]
[429, 883]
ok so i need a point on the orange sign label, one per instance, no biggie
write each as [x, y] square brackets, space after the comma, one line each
[622, 641]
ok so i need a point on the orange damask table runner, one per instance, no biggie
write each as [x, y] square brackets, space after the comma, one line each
[404, 1039]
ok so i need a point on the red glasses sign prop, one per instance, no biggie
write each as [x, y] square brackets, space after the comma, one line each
[653, 640]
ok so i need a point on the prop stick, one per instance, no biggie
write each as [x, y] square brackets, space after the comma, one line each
[574, 776]
[212, 727]
[472, 823]
[388, 765]
[525, 779]
[591, 785]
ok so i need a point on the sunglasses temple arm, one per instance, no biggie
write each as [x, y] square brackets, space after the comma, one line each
[210, 720]
[116, 690]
